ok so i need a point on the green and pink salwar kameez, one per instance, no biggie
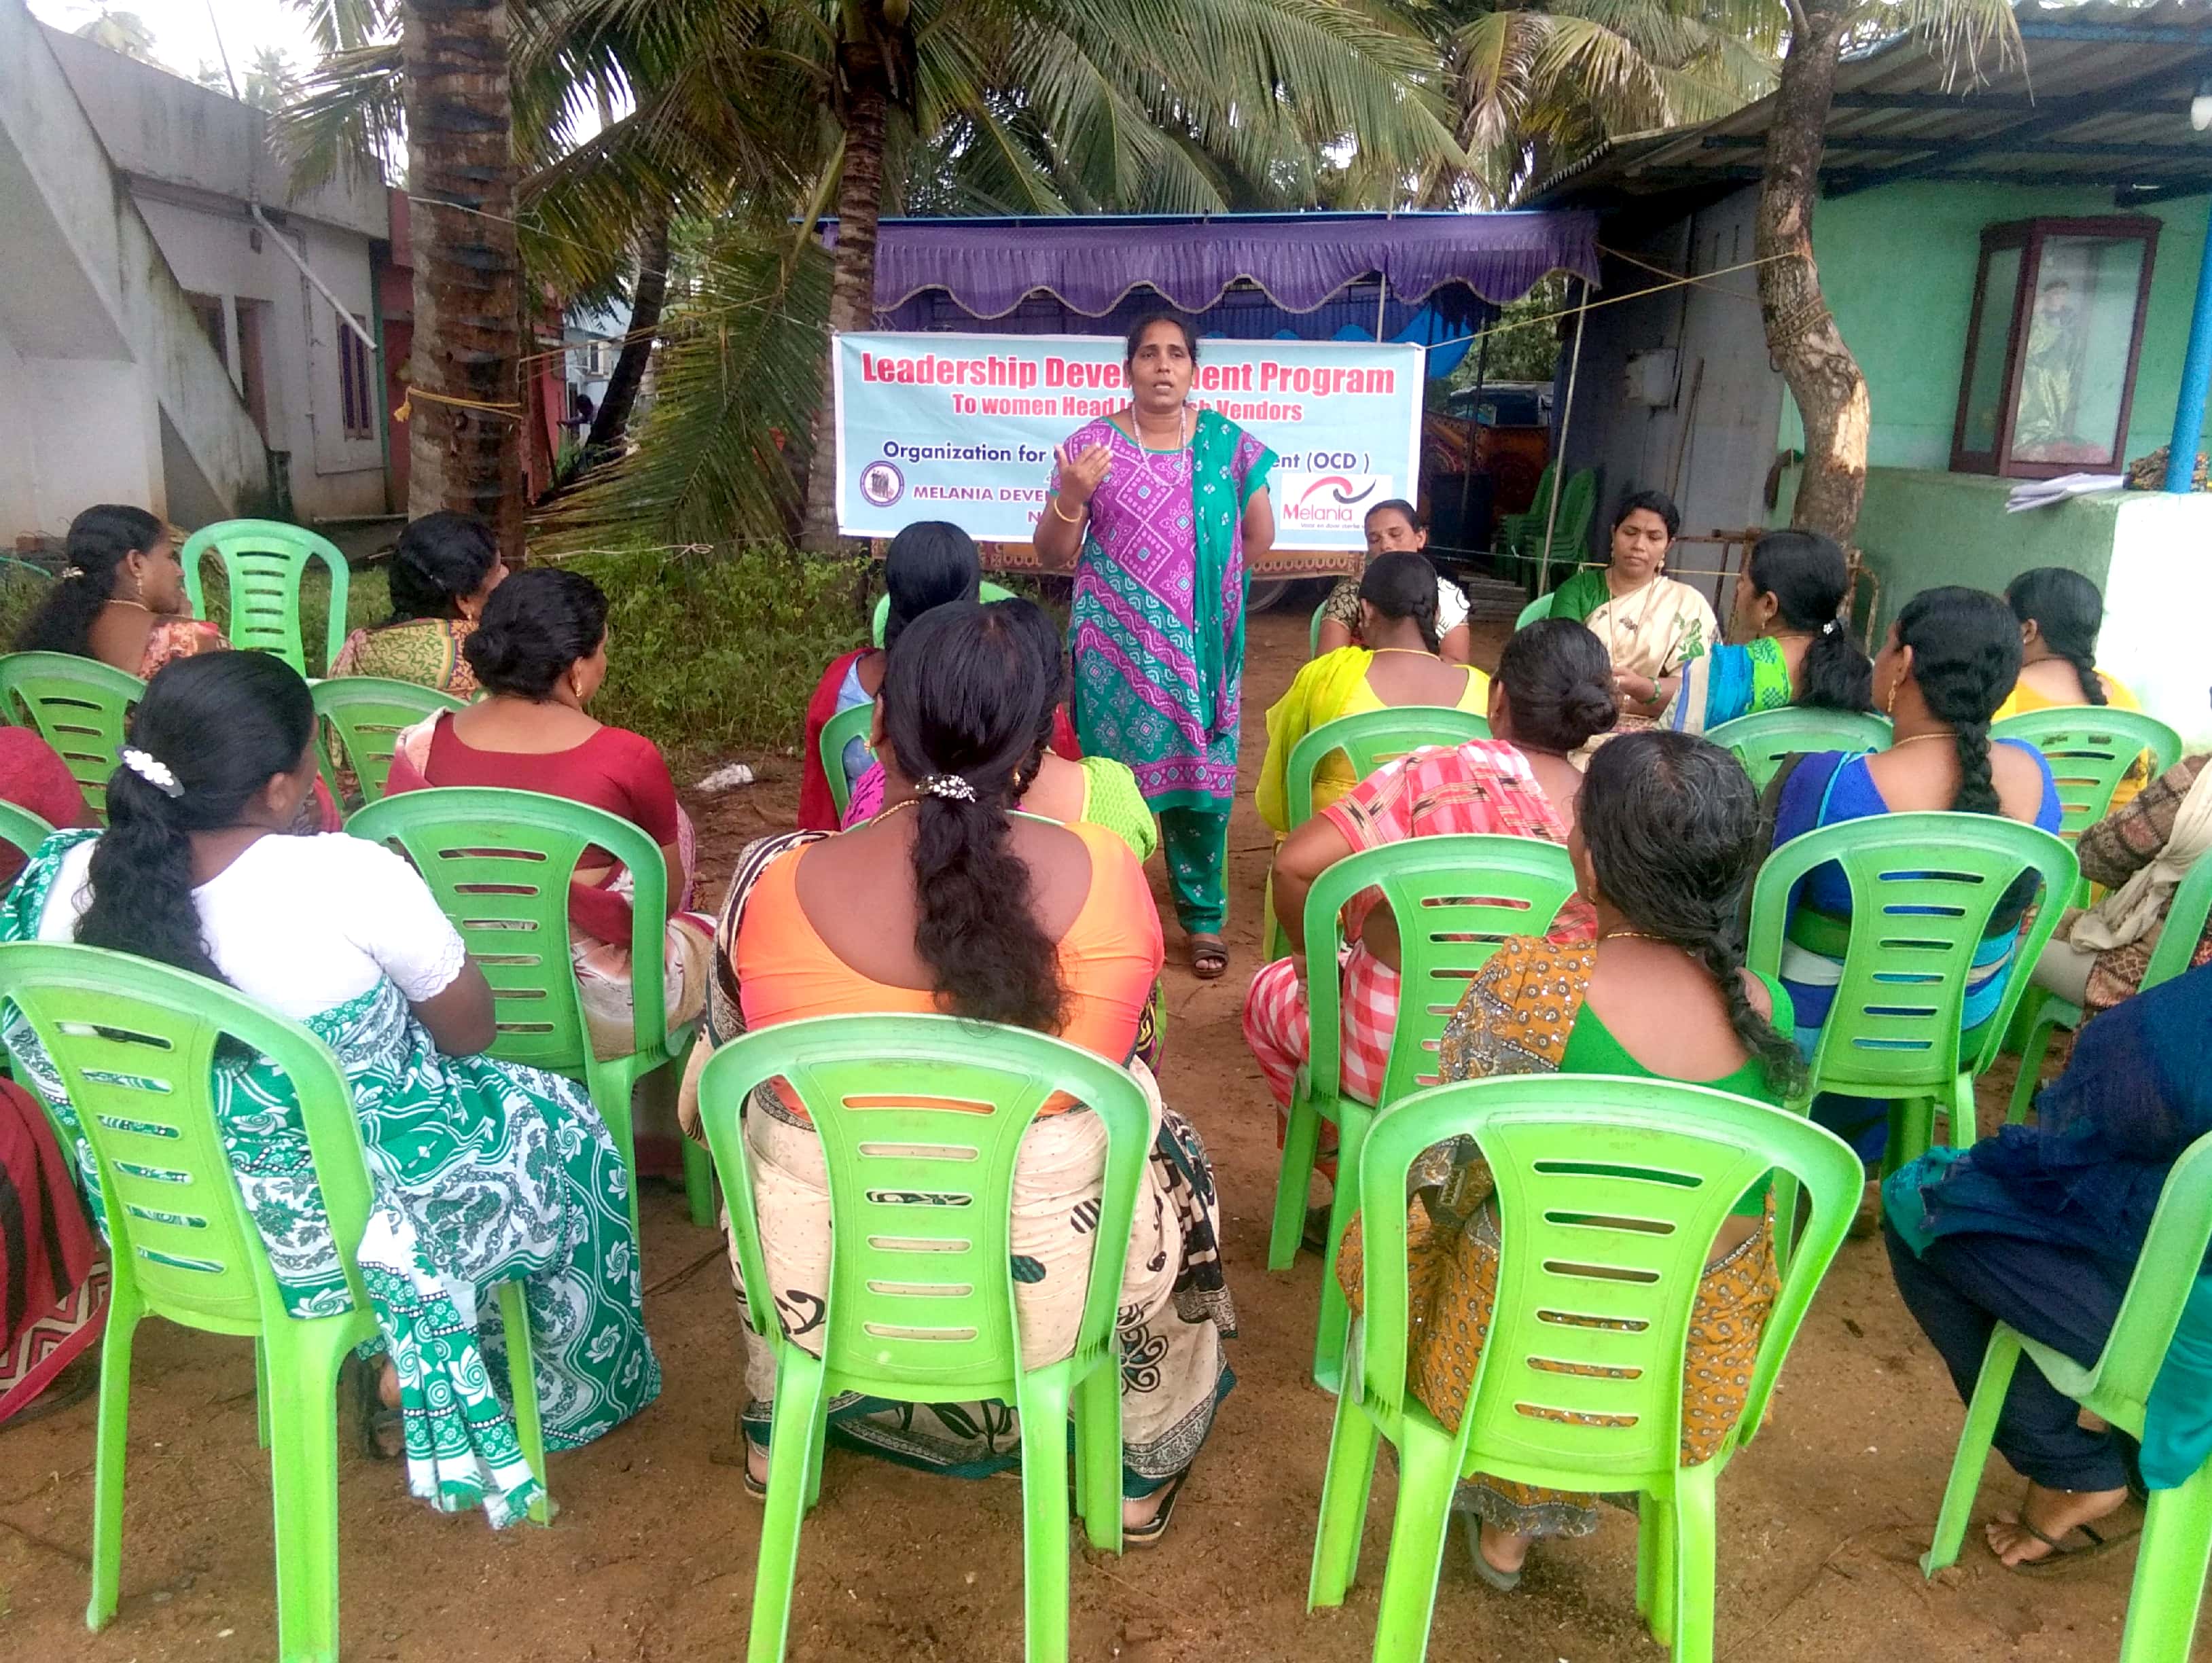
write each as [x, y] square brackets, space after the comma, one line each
[1157, 636]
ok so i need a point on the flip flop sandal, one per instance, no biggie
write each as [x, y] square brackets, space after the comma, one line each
[1209, 957]
[65, 1391]
[1505, 1581]
[2098, 1544]
[1149, 1534]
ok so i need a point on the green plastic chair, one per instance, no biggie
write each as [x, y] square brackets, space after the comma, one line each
[837, 732]
[1520, 537]
[920, 1119]
[1539, 608]
[365, 716]
[1512, 531]
[1765, 739]
[134, 1043]
[80, 706]
[1368, 739]
[264, 561]
[499, 863]
[2041, 1010]
[1455, 898]
[1313, 629]
[2090, 749]
[1610, 1193]
[880, 620]
[1922, 888]
[2176, 1536]
[22, 830]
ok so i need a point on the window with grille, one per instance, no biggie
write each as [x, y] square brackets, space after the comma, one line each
[356, 384]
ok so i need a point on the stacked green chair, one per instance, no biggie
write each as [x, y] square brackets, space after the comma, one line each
[366, 715]
[264, 561]
[880, 620]
[499, 862]
[1455, 898]
[1609, 1193]
[134, 1043]
[1368, 739]
[837, 732]
[1520, 537]
[1923, 887]
[80, 706]
[2177, 1537]
[1765, 739]
[2090, 749]
[1514, 533]
[1539, 608]
[22, 830]
[921, 1119]
[2042, 1011]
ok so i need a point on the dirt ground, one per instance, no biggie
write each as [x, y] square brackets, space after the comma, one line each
[652, 1555]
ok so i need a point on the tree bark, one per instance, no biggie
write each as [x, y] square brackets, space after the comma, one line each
[1801, 337]
[853, 281]
[647, 296]
[468, 289]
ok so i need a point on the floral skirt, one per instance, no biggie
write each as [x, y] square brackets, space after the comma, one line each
[1175, 1309]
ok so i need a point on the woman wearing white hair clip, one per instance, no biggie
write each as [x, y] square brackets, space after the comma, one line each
[946, 902]
[481, 1171]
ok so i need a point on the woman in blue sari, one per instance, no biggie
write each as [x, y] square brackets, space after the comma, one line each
[2040, 1227]
[1796, 650]
[1950, 660]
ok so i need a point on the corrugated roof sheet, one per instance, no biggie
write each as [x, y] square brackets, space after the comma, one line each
[2101, 99]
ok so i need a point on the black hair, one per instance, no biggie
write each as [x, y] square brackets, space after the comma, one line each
[1805, 573]
[1558, 680]
[440, 560]
[536, 624]
[2067, 608]
[1673, 826]
[1966, 657]
[930, 562]
[1402, 585]
[1034, 633]
[1657, 502]
[99, 538]
[1396, 505]
[960, 700]
[222, 725]
[1136, 337]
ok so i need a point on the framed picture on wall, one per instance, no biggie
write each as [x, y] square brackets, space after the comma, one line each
[2051, 347]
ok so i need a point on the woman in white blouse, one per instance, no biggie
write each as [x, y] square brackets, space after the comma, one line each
[482, 1172]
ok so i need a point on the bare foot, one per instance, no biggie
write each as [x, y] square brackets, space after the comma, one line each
[2052, 1513]
[1506, 1553]
[757, 1463]
[387, 1386]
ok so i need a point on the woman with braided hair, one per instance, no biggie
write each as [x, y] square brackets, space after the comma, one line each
[2060, 614]
[1951, 658]
[1666, 836]
[949, 901]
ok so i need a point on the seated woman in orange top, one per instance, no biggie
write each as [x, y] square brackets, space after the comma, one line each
[121, 597]
[946, 902]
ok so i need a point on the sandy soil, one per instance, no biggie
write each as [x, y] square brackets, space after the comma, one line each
[652, 1556]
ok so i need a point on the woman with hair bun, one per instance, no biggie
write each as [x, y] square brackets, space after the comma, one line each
[120, 597]
[480, 1172]
[1398, 664]
[1789, 602]
[948, 901]
[1394, 527]
[443, 570]
[1552, 695]
[1948, 662]
[539, 652]
[1644, 979]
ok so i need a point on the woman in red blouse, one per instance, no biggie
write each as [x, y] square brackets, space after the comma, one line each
[539, 652]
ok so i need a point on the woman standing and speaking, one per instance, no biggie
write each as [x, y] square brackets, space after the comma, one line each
[1160, 507]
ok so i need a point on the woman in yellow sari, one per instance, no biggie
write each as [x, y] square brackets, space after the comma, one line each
[2060, 614]
[1401, 666]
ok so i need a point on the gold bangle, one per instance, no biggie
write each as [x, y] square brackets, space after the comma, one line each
[1073, 520]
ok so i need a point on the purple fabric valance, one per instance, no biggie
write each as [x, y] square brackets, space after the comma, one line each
[1300, 259]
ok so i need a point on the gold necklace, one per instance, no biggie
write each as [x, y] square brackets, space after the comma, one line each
[1637, 935]
[1417, 652]
[1614, 624]
[1916, 738]
[891, 808]
[117, 600]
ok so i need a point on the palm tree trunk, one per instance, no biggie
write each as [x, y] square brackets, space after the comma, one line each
[468, 289]
[853, 281]
[647, 296]
[1801, 337]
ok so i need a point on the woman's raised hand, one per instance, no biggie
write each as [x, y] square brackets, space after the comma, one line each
[1079, 476]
